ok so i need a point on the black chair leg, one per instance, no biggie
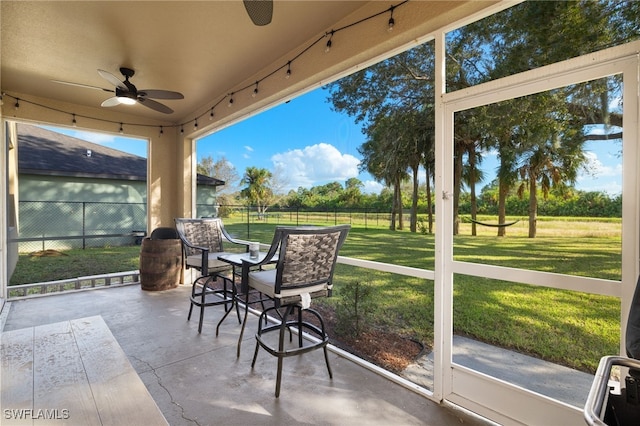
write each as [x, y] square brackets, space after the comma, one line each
[326, 359]
[299, 326]
[281, 351]
[237, 309]
[279, 377]
[244, 323]
[255, 353]
[233, 302]
[201, 319]
[290, 318]
[193, 294]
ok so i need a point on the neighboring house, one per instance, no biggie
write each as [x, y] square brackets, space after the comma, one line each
[73, 187]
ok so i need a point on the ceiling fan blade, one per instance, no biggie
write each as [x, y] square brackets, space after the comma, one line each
[112, 79]
[86, 86]
[157, 106]
[160, 94]
[111, 102]
[260, 11]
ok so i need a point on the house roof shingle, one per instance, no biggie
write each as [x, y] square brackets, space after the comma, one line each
[45, 152]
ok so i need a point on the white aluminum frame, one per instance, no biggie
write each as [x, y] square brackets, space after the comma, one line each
[500, 401]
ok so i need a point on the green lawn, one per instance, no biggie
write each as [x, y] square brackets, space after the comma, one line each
[569, 328]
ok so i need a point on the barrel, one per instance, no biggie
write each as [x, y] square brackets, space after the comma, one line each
[160, 264]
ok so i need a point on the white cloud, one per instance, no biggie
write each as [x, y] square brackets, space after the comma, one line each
[248, 148]
[595, 185]
[599, 176]
[315, 164]
[597, 168]
[372, 187]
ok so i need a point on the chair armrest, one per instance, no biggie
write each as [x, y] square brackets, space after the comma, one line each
[232, 240]
[239, 242]
[247, 265]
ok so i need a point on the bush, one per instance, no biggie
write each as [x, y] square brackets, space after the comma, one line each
[354, 309]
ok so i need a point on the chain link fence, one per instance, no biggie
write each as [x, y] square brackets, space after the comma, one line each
[296, 216]
[63, 225]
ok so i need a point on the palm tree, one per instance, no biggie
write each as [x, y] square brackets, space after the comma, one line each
[383, 158]
[257, 192]
[554, 153]
[471, 176]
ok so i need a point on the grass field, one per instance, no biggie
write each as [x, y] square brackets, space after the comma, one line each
[569, 328]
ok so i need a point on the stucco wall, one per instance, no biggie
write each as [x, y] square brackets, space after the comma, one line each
[63, 188]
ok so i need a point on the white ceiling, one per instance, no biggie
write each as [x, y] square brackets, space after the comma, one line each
[198, 48]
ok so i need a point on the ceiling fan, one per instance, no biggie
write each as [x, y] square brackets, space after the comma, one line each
[260, 11]
[127, 94]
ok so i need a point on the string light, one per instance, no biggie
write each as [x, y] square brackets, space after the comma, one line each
[328, 47]
[329, 42]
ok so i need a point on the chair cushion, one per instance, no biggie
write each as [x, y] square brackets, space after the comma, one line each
[195, 261]
[265, 283]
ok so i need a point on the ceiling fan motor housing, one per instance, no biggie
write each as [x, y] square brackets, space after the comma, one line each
[127, 72]
[126, 95]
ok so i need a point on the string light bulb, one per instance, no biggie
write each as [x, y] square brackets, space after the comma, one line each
[195, 124]
[73, 121]
[328, 35]
[329, 43]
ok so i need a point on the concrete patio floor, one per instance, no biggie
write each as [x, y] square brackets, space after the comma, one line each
[196, 379]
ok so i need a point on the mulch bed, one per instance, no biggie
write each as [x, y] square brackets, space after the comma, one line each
[387, 350]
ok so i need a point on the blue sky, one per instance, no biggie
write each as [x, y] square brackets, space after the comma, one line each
[314, 145]
[309, 143]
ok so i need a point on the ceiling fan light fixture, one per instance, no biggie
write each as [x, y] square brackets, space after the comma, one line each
[126, 100]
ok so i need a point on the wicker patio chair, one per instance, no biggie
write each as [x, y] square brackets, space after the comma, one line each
[304, 270]
[202, 243]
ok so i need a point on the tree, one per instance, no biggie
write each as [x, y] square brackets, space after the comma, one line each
[394, 101]
[257, 191]
[383, 159]
[523, 37]
[352, 195]
[221, 169]
[554, 151]
[527, 36]
[471, 175]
